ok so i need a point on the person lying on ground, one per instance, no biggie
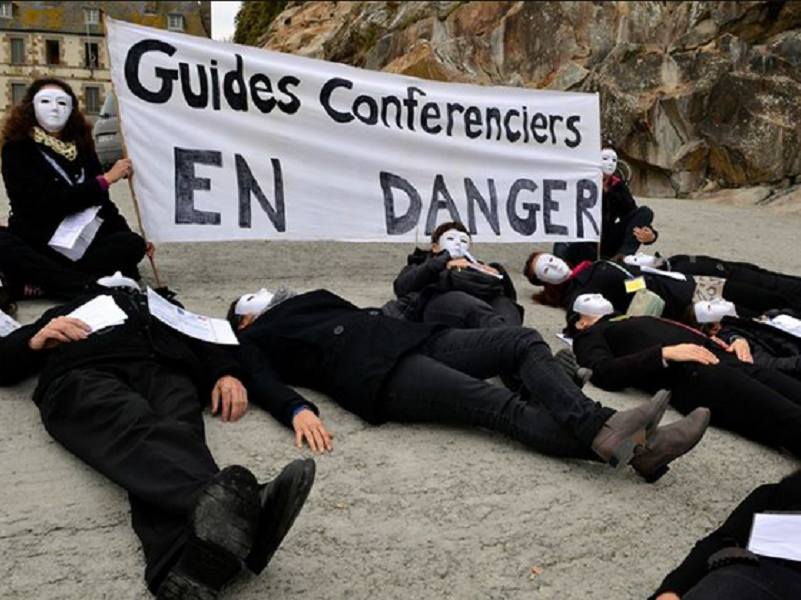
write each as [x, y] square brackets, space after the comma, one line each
[128, 402]
[562, 285]
[624, 225]
[447, 285]
[650, 353]
[721, 567]
[384, 369]
[51, 172]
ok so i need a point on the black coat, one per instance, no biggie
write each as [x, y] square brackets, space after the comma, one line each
[323, 342]
[735, 532]
[41, 198]
[770, 347]
[618, 203]
[141, 337]
[609, 279]
[426, 276]
[627, 352]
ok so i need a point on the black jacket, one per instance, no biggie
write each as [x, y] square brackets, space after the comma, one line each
[41, 198]
[609, 279]
[323, 342]
[618, 203]
[770, 347]
[140, 337]
[627, 352]
[426, 276]
[735, 532]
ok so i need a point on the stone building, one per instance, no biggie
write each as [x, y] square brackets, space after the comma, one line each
[66, 40]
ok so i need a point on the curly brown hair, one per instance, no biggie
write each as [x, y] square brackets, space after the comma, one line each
[22, 119]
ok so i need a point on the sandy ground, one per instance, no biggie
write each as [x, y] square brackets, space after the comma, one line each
[397, 511]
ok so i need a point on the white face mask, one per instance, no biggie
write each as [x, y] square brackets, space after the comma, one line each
[456, 242]
[593, 305]
[714, 311]
[608, 161]
[642, 260]
[253, 304]
[52, 108]
[118, 280]
[550, 269]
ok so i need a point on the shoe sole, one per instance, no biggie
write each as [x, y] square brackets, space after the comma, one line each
[291, 497]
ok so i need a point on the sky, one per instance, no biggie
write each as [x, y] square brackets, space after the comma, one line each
[222, 19]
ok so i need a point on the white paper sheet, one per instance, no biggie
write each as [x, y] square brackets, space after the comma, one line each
[99, 313]
[565, 339]
[7, 324]
[786, 323]
[76, 233]
[776, 535]
[216, 331]
[660, 272]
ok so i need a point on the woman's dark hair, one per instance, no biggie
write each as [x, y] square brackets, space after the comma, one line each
[447, 227]
[233, 318]
[550, 295]
[22, 119]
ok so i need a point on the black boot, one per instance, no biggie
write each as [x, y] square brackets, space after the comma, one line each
[281, 501]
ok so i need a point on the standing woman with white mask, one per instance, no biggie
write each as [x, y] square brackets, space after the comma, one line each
[51, 172]
[624, 225]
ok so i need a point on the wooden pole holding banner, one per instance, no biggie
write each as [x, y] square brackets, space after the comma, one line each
[125, 153]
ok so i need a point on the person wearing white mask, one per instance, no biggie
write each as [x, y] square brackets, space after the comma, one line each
[385, 369]
[624, 225]
[448, 285]
[51, 172]
[701, 371]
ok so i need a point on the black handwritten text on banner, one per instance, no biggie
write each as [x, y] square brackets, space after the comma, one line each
[233, 142]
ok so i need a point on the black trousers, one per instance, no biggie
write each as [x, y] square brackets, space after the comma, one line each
[617, 239]
[139, 424]
[461, 310]
[752, 300]
[767, 581]
[758, 403]
[443, 382]
[23, 265]
[109, 252]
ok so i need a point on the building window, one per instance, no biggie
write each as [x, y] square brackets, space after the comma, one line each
[18, 92]
[91, 16]
[91, 56]
[92, 100]
[151, 8]
[6, 10]
[175, 22]
[52, 52]
[17, 51]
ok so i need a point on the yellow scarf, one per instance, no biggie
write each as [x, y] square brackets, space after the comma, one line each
[66, 149]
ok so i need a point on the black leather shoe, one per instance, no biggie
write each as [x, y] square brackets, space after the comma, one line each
[281, 501]
[222, 527]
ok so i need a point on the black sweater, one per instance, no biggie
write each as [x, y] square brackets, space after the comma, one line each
[140, 338]
[40, 197]
[784, 496]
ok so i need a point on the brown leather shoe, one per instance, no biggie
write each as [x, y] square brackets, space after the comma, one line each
[624, 431]
[669, 443]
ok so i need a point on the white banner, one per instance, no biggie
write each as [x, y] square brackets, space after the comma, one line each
[233, 142]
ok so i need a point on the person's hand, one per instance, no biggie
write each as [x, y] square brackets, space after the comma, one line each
[309, 427]
[150, 250]
[230, 398]
[458, 263]
[668, 596]
[689, 353]
[122, 169]
[741, 350]
[644, 235]
[60, 330]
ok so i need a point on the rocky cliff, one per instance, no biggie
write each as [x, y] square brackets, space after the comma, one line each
[698, 96]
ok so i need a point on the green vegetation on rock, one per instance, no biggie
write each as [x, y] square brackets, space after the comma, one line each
[253, 20]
